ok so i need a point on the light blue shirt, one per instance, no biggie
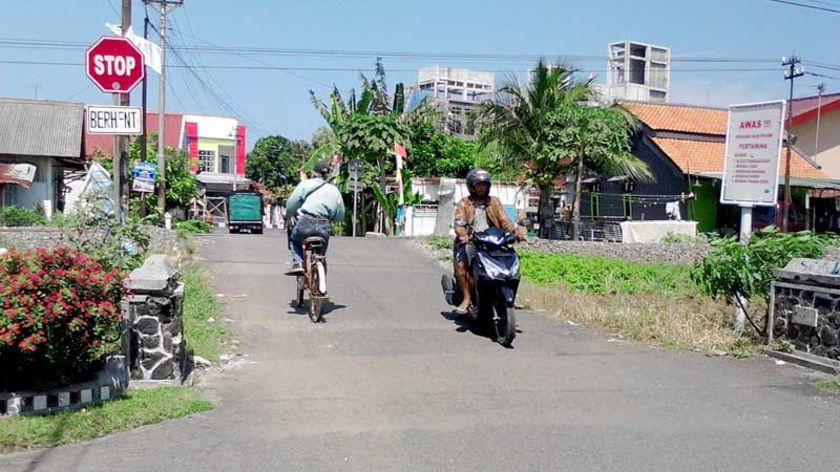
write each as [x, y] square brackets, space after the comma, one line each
[325, 202]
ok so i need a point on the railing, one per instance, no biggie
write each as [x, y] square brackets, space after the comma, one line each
[589, 229]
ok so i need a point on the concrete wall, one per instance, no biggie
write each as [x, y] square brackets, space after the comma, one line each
[421, 220]
[509, 194]
[828, 155]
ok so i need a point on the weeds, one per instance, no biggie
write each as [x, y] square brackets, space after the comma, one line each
[831, 384]
[656, 318]
[203, 327]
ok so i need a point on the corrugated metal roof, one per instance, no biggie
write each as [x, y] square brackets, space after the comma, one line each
[41, 128]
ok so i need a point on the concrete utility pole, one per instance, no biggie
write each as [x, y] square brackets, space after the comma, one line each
[820, 91]
[794, 71]
[163, 6]
[121, 148]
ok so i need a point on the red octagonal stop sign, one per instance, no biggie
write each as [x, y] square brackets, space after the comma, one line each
[115, 65]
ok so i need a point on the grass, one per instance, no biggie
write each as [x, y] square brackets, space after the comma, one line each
[207, 339]
[830, 385]
[653, 318]
[440, 243]
[598, 275]
[136, 408]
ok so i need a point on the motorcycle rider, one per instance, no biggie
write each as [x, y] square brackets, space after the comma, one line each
[475, 213]
[315, 204]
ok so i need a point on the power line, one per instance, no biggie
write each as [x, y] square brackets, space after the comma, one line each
[114, 8]
[804, 5]
[257, 61]
[354, 54]
[356, 69]
[816, 74]
[210, 91]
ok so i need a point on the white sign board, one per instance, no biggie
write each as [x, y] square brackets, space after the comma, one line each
[753, 145]
[114, 120]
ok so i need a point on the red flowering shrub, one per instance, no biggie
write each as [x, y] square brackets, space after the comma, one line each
[57, 310]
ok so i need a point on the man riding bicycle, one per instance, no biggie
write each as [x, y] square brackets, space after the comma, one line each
[475, 213]
[315, 204]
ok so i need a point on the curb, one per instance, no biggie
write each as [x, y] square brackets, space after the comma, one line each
[809, 361]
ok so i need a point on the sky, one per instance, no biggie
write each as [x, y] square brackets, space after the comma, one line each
[273, 101]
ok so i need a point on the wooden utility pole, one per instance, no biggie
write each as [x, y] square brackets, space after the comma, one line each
[121, 148]
[793, 72]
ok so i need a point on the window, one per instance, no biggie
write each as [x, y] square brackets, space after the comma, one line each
[224, 164]
[207, 161]
[657, 96]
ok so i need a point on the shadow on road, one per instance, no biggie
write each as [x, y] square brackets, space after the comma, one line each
[464, 325]
[328, 309]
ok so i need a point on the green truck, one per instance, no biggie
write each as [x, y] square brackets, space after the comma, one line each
[245, 212]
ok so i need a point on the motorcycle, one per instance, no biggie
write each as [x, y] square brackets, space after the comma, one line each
[495, 276]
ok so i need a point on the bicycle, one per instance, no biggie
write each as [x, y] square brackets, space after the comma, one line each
[314, 278]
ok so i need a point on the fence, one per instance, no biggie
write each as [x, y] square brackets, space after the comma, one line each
[589, 229]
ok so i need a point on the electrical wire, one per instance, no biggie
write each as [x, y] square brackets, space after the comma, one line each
[805, 5]
[355, 54]
[356, 69]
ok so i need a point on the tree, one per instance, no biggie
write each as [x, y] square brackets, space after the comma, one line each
[275, 161]
[435, 153]
[528, 126]
[597, 141]
[371, 138]
[181, 183]
[367, 128]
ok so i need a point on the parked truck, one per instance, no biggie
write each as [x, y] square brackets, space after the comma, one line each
[245, 212]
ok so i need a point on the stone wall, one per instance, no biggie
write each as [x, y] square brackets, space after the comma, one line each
[660, 252]
[654, 252]
[163, 241]
[157, 349]
[809, 318]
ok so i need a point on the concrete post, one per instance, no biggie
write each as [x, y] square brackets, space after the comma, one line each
[157, 349]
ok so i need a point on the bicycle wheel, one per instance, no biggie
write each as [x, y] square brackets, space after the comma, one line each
[315, 294]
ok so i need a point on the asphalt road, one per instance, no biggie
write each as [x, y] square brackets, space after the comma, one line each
[391, 383]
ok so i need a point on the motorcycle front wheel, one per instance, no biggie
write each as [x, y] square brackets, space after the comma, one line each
[504, 323]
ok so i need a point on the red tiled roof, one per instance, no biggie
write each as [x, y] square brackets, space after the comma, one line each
[680, 118]
[105, 143]
[697, 156]
[805, 109]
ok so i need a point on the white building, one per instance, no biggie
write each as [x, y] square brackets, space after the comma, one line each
[440, 197]
[637, 71]
[457, 92]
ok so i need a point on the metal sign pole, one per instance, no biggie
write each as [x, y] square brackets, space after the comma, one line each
[355, 203]
[744, 237]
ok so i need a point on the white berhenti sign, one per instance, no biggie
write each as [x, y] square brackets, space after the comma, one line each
[114, 120]
[753, 144]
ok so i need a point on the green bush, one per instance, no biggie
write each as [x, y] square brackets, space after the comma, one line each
[599, 275]
[672, 238]
[17, 216]
[193, 227]
[747, 269]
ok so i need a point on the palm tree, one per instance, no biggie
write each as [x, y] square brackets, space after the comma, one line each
[521, 124]
[549, 127]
